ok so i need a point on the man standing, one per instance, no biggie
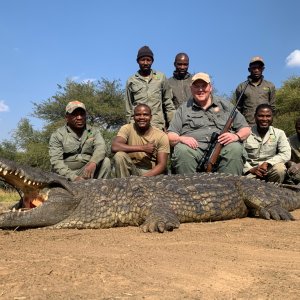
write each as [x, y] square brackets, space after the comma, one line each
[181, 80]
[149, 87]
[257, 92]
[267, 147]
[139, 148]
[77, 150]
[194, 123]
[294, 164]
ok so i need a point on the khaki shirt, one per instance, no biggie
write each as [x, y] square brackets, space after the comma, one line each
[254, 95]
[153, 91]
[68, 153]
[141, 159]
[295, 145]
[273, 148]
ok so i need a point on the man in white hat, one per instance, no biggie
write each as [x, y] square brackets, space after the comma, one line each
[194, 123]
[258, 91]
[77, 150]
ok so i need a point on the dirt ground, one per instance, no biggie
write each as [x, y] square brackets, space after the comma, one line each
[238, 259]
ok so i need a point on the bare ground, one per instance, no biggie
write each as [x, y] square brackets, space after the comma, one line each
[238, 259]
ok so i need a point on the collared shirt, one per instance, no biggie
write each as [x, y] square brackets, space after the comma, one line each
[181, 88]
[69, 153]
[191, 120]
[263, 92]
[142, 159]
[295, 145]
[273, 148]
[153, 91]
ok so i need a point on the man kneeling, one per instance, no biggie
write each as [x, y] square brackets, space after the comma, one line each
[139, 148]
[77, 150]
[267, 147]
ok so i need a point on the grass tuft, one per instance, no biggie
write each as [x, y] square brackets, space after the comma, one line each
[9, 196]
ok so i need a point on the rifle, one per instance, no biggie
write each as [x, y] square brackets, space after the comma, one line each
[209, 161]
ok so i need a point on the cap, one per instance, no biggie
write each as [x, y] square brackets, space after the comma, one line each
[71, 106]
[256, 59]
[145, 51]
[201, 76]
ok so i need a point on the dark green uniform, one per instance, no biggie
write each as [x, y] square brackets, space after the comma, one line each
[254, 95]
[192, 121]
[153, 91]
[181, 88]
[69, 154]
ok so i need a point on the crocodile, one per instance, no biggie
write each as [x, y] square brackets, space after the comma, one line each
[158, 203]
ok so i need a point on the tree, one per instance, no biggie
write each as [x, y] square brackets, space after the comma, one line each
[103, 100]
[8, 150]
[288, 105]
[31, 145]
[24, 134]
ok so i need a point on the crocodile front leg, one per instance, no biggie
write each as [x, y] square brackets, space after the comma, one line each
[160, 218]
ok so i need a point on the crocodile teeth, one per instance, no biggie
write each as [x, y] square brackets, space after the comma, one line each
[25, 179]
[29, 182]
[4, 172]
[21, 173]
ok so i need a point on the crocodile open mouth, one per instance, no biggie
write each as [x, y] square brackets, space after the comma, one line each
[32, 185]
[31, 192]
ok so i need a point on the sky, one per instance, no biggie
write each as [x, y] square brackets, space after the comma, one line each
[43, 43]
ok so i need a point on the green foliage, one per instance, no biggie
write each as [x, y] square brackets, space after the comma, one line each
[24, 134]
[288, 105]
[286, 122]
[8, 150]
[288, 96]
[8, 194]
[108, 135]
[36, 155]
[103, 100]
[29, 147]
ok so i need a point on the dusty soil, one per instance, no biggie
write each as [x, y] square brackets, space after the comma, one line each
[237, 259]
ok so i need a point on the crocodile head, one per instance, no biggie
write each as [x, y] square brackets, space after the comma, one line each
[34, 183]
[44, 196]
